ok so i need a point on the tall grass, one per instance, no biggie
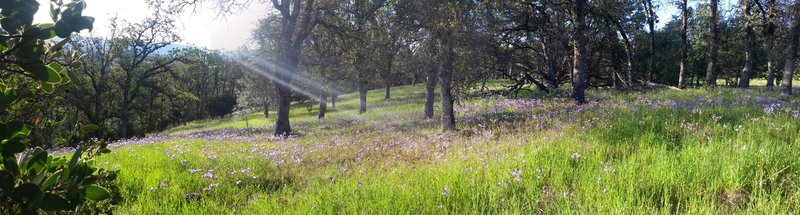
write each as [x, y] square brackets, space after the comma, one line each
[694, 151]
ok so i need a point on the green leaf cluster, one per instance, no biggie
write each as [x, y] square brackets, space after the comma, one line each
[33, 180]
[36, 181]
[23, 48]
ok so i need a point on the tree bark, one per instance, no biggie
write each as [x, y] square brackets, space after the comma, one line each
[651, 26]
[628, 55]
[628, 63]
[770, 46]
[579, 60]
[290, 46]
[684, 45]
[150, 115]
[362, 95]
[711, 70]
[791, 51]
[768, 29]
[387, 75]
[97, 117]
[388, 92]
[448, 120]
[323, 105]
[430, 96]
[750, 40]
[550, 75]
[282, 125]
[290, 57]
[124, 119]
[361, 80]
[266, 109]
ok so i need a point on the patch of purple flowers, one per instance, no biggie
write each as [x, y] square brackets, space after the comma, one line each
[517, 174]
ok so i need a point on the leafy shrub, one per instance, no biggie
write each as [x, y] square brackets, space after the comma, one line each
[38, 181]
[33, 180]
[222, 105]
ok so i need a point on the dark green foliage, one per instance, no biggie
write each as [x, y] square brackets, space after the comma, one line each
[222, 105]
[37, 181]
[189, 85]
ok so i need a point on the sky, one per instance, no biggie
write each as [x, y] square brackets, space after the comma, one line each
[201, 28]
[667, 9]
[204, 28]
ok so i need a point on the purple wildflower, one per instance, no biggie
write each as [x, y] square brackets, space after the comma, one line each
[209, 174]
[715, 117]
[517, 174]
[211, 186]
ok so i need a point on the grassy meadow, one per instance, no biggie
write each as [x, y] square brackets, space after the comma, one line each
[693, 151]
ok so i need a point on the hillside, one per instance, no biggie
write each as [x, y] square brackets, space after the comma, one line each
[694, 151]
[566, 107]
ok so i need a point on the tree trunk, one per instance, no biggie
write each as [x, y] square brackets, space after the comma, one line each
[362, 95]
[282, 126]
[684, 45]
[628, 63]
[697, 81]
[123, 118]
[98, 117]
[628, 55]
[323, 105]
[750, 37]
[291, 58]
[651, 26]
[770, 46]
[387, 75]
[579, 60]
[430, 87]
[266, 109]
[150, 115]
[333, 101]
[290, 46]
[791, 52]
[711, 73]
[215, 89]
[768, 29]
[550, 75]
[388, 91]
[98, 104]
[448, 120]
[616, 63]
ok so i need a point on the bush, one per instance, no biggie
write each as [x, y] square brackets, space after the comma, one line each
[33, 180]
[222, 105]
[37, 181]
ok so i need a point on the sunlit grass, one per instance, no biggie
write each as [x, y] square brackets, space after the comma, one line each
[404, 99]
[763, 82]
[643, 153]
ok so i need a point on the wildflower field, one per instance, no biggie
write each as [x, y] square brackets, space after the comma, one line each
[693, 151]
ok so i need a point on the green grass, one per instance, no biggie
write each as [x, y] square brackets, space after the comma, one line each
[403, 100]
[509, 156]
[763, 82]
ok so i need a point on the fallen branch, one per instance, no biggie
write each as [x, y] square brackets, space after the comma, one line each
[651, 84]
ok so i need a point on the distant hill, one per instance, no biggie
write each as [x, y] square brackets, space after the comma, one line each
[162, 51]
